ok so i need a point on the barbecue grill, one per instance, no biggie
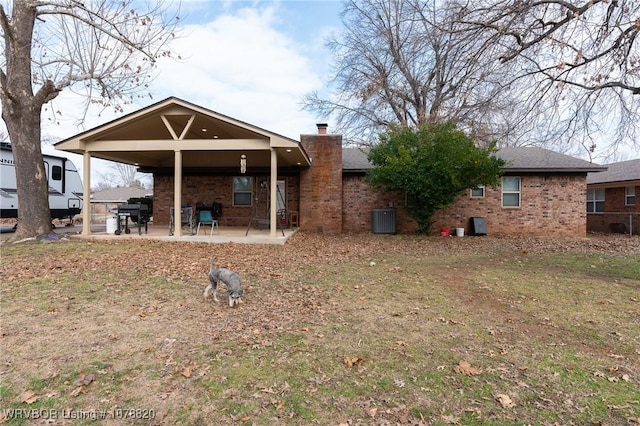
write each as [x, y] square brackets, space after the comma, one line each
[138, 213]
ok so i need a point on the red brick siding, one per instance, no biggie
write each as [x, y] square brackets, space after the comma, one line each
[219, 189]
[616, 212]
[615, 198]
[360, 200]
[329, 202]
[614, 222]
[321, 185]
[550, 205]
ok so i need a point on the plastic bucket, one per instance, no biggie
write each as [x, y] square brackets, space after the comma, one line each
[112, 225]
[460, 232]
[444, 232]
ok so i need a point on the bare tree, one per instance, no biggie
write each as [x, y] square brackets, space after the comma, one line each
[549, 73]
[405, 61]
[120, 174]
[105, 48]
[581, 57]
[590, 44]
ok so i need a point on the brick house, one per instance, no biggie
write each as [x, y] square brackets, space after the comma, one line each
[542, 193]
[612, 198]
[200, 157]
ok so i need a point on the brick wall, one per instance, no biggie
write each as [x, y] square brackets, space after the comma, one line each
[219, 189]
[551, 205]
[321, 184]
[618, 217]
[360, 200]
[615, 198]
[329, 202]
[614, 222]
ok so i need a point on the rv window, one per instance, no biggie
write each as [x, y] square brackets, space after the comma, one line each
[56, 173]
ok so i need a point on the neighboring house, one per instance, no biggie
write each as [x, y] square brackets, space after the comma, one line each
[200, 157]
[612, 198]
[104, 203]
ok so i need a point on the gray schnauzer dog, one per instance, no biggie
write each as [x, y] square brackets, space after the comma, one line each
[230, 278]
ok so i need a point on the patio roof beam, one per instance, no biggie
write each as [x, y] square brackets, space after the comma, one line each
[169, 127]
[182, 145]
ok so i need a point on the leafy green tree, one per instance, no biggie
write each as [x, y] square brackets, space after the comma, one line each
[433, 164]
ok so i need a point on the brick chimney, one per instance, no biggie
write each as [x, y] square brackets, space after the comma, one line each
[321, 184]
[322, 128]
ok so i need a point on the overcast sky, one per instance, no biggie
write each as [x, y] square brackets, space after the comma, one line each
[253, 61]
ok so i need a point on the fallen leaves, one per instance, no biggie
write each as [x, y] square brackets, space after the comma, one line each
[29, 397]
[451, 420]
[352, 361]
[505, 400]
[82, 381]
[186, 372]
[465, 367]
[316, 321]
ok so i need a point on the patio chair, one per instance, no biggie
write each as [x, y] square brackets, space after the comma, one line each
[206, 218]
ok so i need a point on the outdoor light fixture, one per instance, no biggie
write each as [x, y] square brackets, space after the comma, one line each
[243, 164]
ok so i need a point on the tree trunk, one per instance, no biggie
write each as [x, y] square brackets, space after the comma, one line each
[21, 111]
[34, 217]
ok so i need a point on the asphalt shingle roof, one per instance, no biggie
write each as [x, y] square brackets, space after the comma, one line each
[118, 195]
[623, 171]
[518, 159]
[534, 159]
[354, 159]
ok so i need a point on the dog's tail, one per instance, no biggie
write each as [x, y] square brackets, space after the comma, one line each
[213, 261]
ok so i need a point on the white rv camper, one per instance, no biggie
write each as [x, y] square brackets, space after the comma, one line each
[65, 186]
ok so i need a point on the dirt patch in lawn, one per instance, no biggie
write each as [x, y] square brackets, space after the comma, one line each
[351, 329]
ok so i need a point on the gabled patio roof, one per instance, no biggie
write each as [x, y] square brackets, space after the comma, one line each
[149, 137]
[173, 136]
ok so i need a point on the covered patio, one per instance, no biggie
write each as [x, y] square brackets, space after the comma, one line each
[173, 138]
[233, 234]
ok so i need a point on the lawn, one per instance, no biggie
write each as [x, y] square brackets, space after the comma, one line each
[357, 329]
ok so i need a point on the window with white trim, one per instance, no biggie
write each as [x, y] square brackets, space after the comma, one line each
[630, 196]
[595, 200]
[477, 192]
[242, 190]
[511, 192]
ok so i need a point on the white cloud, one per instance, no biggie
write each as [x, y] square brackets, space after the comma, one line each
[240, 65]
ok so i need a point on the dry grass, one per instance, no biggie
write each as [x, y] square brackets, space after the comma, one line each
[353, 330]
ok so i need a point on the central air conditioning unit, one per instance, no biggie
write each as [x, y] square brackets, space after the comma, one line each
[383, 221]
